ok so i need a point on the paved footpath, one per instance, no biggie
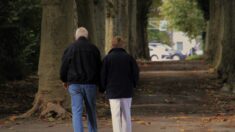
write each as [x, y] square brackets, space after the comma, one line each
[181, 123]
[178, 97]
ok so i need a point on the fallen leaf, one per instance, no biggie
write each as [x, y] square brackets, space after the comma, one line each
[12, 118]
[51, 119]
[140, 122]
[143, 123]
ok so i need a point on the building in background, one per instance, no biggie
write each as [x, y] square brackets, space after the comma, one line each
[179, 40]
[182, 42]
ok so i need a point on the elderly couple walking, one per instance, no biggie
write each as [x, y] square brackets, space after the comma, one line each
[82, 71]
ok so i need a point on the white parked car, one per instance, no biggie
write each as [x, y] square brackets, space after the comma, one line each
[163, 52]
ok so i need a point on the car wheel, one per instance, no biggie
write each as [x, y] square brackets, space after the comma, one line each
[176, 57]
[154, 58]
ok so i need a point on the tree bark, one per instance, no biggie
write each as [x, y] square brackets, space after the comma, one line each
[220, 47]
[109, 15]
[132, 45]
[91, 15]
[227, 62]
[129, 20]
[56, 33]
[142, 50]
[117, 21]
[121, 19]
[99, 22]
[215, 37]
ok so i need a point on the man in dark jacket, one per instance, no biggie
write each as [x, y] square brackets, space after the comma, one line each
[80, 73]
[119, 75]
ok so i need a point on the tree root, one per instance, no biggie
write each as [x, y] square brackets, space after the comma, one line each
[54, 110]
[45, 110]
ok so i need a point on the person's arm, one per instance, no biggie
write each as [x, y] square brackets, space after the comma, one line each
[99, 65]
[104, 72]
[135, 71]
[65, 65]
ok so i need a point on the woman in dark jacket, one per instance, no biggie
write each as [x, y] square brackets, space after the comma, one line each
[119, 76]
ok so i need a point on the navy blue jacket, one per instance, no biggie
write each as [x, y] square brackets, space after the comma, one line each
[81, 63]
[119, 74]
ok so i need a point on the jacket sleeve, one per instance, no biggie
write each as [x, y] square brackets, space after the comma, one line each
[104, 73]
[65, 65]
[99, 65]
[135, 71]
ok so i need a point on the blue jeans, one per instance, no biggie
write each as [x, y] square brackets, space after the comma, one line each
[78, 93]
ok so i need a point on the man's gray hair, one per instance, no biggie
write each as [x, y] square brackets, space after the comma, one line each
[81, 32]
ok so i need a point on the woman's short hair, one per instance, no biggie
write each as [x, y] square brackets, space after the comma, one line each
[81, 32]
[118, 42]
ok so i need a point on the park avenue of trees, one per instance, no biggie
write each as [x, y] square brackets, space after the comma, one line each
[128, 18]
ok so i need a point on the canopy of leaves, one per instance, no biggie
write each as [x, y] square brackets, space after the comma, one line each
[185, 16]
[159, 36]
[154, 8]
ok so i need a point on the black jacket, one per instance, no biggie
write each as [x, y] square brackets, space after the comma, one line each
[81, 63]
[119, 74]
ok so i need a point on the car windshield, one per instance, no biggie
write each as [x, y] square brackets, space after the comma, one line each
[166, 46]
[160, 45]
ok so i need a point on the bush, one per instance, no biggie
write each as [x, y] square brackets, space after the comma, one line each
[19, 32]
[11, 65]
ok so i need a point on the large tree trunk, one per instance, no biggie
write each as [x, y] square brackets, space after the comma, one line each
[132, 45]
[91, 15]
[117, 21]
[56, 33]
[129, 20]
[99, 22]
[215, 33]
[220, 48]
[121, 19]
[227, 59]
[141, 49]
[109, 14]
[60, 19]
[85, 16]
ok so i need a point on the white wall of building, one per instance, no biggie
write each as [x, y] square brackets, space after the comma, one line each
[182, 43]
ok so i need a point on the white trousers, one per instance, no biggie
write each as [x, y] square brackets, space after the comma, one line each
[121, 114]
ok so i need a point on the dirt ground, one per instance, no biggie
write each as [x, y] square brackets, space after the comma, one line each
[180, 123]
[171, 97]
